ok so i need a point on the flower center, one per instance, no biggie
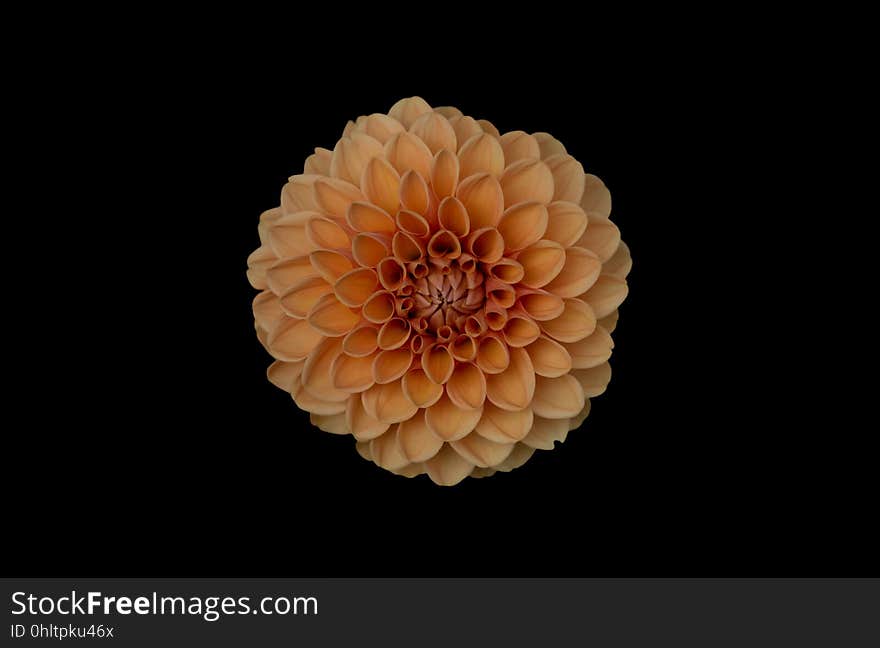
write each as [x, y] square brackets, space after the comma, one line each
[439, 297]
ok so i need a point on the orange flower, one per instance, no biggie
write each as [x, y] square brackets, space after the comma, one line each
[440, 291]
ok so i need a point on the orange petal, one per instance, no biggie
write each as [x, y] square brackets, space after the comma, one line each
[333, 196]
[406, 248]
[545, 432]
[379, 308]
[414, 193]
[463, 348]
[481, 154]
[390, 366]
[507, 270]
[366, 217]
[581, 270]
[363, 426]
[467, 386]
[316, 376]
[368, 249]
[412, 223]
[519, 145]
[482, 197]
[521, 454]
[352, 374]
[452, 215]
[568, 177]
[503, 426]
[575, 422]
[330, 265]
[331, 318]
[605, 295]
[541, 263]
[520, 330]
[482, 452]
[283, 374]
[576, 322]
[489, 127]
[609, 322]
[566, 223]
[617, 266]
[557, 398]
[522, 225]
[380, 183]
[392, 273]
[267, 218]
[324, 233]
[351, 154]
[465, 128]
[595, 380]
[591, 351]
[318, 163]
[292, 340]
[267, 310]
[527, 180]
[387, 403]
[356, 286]
[297, 194]
[258, 262]
[447, 467]
[435, 131]
[549, 358]
[448, 111]
[286, 236]
[305, 400]
[437, 363]
[379, 126]
[405, 151]
[486, 244]
[416, 441]
[361, 341]
[513, 388]
[492, 355]
[420, 389]
[334, 424]
[548, 144]
[540, 305]
[444, 245]
[408, 110]
[602, 237]
[299, 299]
[597, 198]
[386, 453]
[496, 316]
[444, 173]
[394, 334]
[502, 294]
[449, 422]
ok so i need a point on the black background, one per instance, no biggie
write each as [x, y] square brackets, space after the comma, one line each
[156, 446]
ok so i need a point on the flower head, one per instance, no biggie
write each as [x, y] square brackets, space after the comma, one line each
[442, 292]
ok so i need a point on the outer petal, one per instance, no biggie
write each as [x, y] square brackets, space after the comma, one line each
[591, 351]
[449, 422]
[504, 426]
[292, 340]
[447, 467]
[387, 403]
[576, 322]
[518, 145]
[566, 223]
[386, 453]
[545, 432]
[408, 110]
[417, 442]
[568, 177]
[593, 381]
[619, 265]
[513, 388]
[580, 271]
[481, 451]
[482, 196]
[602, 237]
[405, 151]
[606, 295]
[527, 180]
[435, 131]
[481, 154]
[363, 426]
[596, 200]
[549, 358]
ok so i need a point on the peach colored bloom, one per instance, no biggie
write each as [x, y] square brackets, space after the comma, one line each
[440, 291]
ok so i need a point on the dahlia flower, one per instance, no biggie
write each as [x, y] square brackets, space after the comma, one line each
[442, 292]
